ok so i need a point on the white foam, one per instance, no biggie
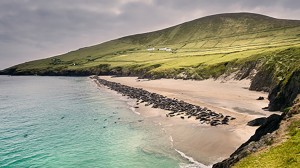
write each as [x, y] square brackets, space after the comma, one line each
[137, 113]
[194, 164]
[133, 109]
[171, 139]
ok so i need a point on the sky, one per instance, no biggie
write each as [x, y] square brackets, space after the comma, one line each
[35, 29]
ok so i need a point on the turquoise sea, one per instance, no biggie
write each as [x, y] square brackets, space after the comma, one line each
[70, 122]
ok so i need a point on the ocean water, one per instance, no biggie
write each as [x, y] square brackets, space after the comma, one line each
[69, 122]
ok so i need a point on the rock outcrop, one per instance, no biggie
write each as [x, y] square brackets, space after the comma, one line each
[257, 121]
[263, 80]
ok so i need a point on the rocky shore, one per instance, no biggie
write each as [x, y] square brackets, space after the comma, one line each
[177, 107]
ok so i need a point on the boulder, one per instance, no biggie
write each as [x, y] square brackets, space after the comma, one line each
[260, 98]
[257, 121]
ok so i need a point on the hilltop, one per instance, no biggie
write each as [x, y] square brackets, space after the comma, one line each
[254, 46]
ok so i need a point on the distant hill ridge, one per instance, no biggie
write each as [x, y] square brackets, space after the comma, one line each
[220, 25]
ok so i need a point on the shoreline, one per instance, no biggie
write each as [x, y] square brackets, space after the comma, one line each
[203, 143]
[149, 114]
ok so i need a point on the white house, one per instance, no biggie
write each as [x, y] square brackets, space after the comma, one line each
[162, 49]
[151, 49]
[165, 49]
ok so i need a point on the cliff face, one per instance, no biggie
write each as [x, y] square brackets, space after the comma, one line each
[262, 81]
[279, 74]
[283, 94]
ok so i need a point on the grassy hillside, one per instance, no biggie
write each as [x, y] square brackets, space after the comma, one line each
[203, 48]
[196, 46]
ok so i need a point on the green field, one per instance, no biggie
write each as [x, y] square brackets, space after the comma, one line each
[196, 45]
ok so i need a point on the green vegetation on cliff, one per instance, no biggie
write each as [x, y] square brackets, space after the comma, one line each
[286, 154]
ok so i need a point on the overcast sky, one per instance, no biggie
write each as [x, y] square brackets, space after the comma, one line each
[33, 29]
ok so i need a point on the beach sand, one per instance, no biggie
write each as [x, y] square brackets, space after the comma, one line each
[204, 143]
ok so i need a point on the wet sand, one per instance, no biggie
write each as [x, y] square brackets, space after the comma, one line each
[204, 143]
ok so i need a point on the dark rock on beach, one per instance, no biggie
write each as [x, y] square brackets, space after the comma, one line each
[175, 106]
[257, 121]
[260, 98]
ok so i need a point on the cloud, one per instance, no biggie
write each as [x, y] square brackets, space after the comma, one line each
[32, 29]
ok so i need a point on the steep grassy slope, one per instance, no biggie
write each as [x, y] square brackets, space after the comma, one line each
[203, 48]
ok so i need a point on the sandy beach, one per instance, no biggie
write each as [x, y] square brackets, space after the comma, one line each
[204, 143]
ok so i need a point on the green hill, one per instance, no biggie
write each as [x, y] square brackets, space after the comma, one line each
[202, 42]
[207, 47]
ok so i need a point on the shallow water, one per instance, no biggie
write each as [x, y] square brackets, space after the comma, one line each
[69, 122]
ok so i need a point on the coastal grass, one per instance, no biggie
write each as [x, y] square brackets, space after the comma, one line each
[286, 154]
